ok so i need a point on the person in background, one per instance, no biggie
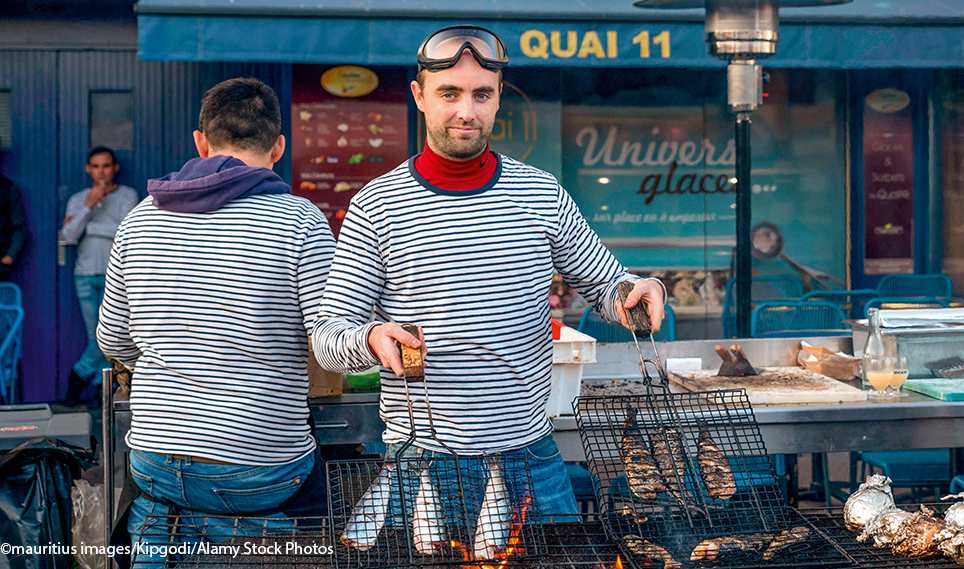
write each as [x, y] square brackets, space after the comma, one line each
[463, 242]
[213, 283]
[13, 226]
[93, 216]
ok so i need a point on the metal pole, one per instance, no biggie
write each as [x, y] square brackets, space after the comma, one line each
[107, 436]
[743, 214]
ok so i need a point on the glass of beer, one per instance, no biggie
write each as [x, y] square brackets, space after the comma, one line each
[901, 371]
[879, 372]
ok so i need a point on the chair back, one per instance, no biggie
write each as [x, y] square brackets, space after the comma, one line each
[11, 337]
[852, 302]
[896, 303]
[761, 288]
[906, 286]
[592, 324]
[10, 294]
[783, 319]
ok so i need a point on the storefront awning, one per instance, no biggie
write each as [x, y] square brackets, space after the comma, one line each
[590, 33]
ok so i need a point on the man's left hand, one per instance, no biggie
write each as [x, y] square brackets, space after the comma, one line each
[651, 293]
[6, 260]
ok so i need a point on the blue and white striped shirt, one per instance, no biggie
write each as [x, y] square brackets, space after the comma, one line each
[211, 311]
[473, 269]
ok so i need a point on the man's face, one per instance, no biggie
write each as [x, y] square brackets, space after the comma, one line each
[101, 168]
[459, 105]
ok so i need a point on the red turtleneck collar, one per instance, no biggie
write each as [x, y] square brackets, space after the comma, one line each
[456, 174]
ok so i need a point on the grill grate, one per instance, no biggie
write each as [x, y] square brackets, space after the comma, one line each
[829, 521]
[684, 515]
[462, 484]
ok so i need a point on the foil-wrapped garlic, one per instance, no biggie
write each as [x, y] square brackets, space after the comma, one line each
[954, 516]
[871, 498]
[883, 527]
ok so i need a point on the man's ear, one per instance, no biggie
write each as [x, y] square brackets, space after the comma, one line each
[417, 94]
[201, 142]
[278, 150]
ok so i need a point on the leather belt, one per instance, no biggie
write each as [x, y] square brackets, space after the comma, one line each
[201, 460]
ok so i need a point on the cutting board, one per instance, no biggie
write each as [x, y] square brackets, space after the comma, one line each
[773, 385]
[939, 388]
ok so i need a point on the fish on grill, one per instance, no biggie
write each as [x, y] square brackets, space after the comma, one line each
[629, 514]
[712, 549]
[871, 498]
[642, 475]
[495, 517]
[883, 527]
[714, 468]
[785, 539]
[368, 516]
[669, 452]
[428, 523]
[917, 535]
[642, 548]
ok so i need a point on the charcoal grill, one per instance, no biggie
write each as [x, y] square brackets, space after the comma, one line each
[679, 523]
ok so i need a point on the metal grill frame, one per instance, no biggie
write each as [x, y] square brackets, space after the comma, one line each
[758, 506]
[460, 482]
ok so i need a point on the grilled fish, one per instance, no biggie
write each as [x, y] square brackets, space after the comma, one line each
[368, 516]
[871, 498]
[642, 476]
[668, 450]
[428, 523]
[785, 539]
[639, 546]
[629, 514]
[917, 535]
[712, 549]
[494, 524]
[714, 468]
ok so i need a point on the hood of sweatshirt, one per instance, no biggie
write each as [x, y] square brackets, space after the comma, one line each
[206, 184]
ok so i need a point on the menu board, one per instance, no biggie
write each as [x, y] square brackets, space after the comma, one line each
[349, 125]
[888, 183]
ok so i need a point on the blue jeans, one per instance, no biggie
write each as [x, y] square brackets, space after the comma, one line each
[221, 488]
[551, 490]
[90, 293]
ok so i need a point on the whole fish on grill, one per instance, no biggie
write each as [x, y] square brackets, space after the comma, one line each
[642, 475]
[629, 514]
[368, 516]
[642, 548]
[669, 452]
[712, 549]
[785, 539]
[495, 517]
[917, 535]
[714, 468]
[871, 498]
[428, 523]
[883, 527]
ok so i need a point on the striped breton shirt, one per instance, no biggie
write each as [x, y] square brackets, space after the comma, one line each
[92, 229]
[219, 305]
[473, 269]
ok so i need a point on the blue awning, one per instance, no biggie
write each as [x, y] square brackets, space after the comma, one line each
[592, 33]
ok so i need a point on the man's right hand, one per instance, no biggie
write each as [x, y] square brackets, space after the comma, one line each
[96, 194]
[382, 342]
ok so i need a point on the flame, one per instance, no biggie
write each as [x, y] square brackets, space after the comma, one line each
[619, 563]
[512, 545]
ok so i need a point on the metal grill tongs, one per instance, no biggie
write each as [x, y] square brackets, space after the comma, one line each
[425, 508]
[684, 478]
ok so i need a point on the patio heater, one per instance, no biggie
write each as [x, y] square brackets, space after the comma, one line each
[741, 32]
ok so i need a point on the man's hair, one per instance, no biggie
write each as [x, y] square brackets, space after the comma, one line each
[242, 113]
[101, 150]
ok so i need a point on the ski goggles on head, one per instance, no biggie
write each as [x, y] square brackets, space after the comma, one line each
[444, 47]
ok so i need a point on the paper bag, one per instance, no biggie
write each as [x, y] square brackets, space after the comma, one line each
[821, 360]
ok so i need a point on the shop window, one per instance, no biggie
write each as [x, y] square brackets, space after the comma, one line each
[112, 119]
[6, 126]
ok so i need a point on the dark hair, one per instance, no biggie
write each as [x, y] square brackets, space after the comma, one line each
[101, 150]
[241, 113]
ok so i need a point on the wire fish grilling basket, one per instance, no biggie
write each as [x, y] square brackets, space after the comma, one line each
[423, 508]
[684, 478]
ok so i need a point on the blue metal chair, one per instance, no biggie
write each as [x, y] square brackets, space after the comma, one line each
[10, 294]
[850, 301]
[789, 318]
[895, 303]
[916, 469]
[593, 325]
[915, 285]
[761, 288]
[11, 332]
